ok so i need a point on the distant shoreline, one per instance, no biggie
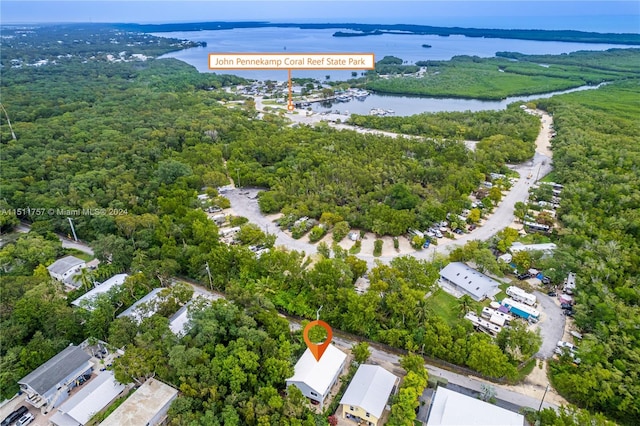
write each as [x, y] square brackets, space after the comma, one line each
[363, 30]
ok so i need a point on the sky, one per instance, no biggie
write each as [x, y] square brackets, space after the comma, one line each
[579, 15]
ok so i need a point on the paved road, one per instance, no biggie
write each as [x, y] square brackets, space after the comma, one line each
[66, 243]
[391, 361]
[502, 216]
[551, 325]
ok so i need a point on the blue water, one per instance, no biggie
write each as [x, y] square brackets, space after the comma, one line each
[407, 47]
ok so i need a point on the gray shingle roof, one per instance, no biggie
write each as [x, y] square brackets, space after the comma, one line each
[56, 369]
[61, 266]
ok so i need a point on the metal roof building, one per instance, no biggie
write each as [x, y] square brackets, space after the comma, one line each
[91, 399]
[143, 308]
[368, 393]
[469, 281]
[147, 406]
[86, 299]
[449, 408]
[48, 383]
[316, 378]
[63, 268]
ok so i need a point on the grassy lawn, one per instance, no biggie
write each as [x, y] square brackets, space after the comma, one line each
[79, 254]
[526, 369]
[446, 306]
[551, 177]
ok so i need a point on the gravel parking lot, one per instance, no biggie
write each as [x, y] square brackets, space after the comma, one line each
[551, 324]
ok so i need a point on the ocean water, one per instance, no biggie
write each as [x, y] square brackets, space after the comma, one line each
[408, 47]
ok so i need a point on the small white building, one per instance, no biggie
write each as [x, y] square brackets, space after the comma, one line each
[64, 268]
[450, 408]
[91, 399]
[546, 248]
[316, 378]
[366, 397]
[87, 299]
[148, 406]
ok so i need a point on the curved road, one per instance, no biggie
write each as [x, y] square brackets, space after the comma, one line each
[245, 203]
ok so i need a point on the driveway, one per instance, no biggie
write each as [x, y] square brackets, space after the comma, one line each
[551, 325]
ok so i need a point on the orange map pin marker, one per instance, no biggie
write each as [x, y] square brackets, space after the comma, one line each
[317, 349]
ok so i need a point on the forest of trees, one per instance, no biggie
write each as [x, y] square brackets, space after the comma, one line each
[501, 77]
[145, 137]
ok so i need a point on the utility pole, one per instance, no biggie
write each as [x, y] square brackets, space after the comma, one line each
[206, 267]
[13, 135]
[75, 237]
[543, 395]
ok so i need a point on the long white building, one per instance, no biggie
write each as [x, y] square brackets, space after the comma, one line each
[519, 295]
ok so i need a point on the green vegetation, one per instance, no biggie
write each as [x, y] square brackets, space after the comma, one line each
[596, 153]
[498, 78]
[405, 404]
[144, 137]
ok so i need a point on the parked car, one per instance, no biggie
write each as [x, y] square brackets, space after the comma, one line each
[552, 294]
[458, 231]
[426, 244]
[569, 313]
[15, 416]
[566, 306]
[562, 344]
[546, 280]
[523, 276]
[25, 420]
[472, 227]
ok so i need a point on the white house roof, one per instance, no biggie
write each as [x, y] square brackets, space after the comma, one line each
[451, 408]
[318, 374]
[473, 282]
[370, 389]
[518, 246]
[56, 369]
[179, 320]
[114, 281]
[61, 266]
[91, 399]
[141, 407]
[134, 310]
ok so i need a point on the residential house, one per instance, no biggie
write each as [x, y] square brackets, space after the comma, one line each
[63, 269]
[148, 406]
[87, 299]
[144, 307]
[316, 378]
[366, 398]
[91, 399]
[48, 385]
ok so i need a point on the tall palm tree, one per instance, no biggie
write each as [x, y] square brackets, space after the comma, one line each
[464, 303]
[86, 278]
